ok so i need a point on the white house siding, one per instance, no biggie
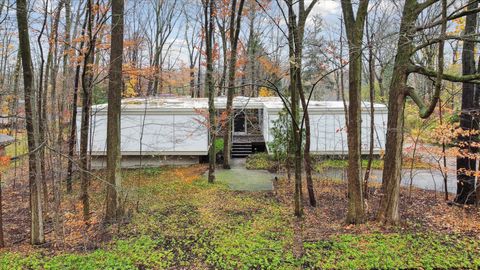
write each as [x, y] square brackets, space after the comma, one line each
[328, 127]
[152, 132]
[177, 128]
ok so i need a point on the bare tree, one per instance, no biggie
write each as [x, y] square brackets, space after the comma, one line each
[354, 26]
[234, 34]
[114, 157]
[36, 230]
[399, 90]
[209, 17]
[466, 163]
[87, 87]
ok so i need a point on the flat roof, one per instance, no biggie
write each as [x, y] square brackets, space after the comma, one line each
[239, 102]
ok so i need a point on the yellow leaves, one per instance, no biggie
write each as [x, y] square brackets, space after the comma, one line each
[265, 92]
[130, 89]
[459, 25]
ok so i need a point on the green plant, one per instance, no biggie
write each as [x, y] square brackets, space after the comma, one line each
[218, 145]
[282, 144]
[259, 161]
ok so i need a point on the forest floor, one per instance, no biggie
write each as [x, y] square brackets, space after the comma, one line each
[176, 220]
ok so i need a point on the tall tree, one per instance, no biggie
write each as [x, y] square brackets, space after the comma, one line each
[399, 90]
[209, 17]
[36, 230]
[234, 34]
[354, 26]
[73, 121]
[114, 176]
[466, 162]
[166, 17]
[87, 87]
[296, 30]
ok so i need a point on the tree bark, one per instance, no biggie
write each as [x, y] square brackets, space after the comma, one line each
[235, 23]
[209, 6]
[354, 28]
[36, 230]
[87, 85]
[114, 177]
[466, 164]
[389, 203]
[388, 212]
[73, 122]
[371, 73]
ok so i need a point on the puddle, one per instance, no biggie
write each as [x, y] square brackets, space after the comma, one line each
[239, 178]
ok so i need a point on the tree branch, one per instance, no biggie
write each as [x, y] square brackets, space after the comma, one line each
[474, 78]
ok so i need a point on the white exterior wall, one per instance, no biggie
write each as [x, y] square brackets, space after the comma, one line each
[164, 132]
[328, 130]
[180, 130]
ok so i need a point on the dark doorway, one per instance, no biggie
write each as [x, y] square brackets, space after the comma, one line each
[239, 126]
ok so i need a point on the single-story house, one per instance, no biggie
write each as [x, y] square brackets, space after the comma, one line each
[157, 131]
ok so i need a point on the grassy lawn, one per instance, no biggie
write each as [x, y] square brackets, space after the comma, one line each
[182, 222]
[263, 161]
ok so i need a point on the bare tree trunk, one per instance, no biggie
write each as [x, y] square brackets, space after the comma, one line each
[36, 230]
[389, 203]
[113, 207]
[41, 104]
[444, 157]
[389, 211]
[466, 163]
[235, 24]
[87, 85]
[2, 240]
[209, 6]
[371, 72]
[73, 123]
[354, 28]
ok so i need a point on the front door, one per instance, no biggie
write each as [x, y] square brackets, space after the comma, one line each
[239, 123]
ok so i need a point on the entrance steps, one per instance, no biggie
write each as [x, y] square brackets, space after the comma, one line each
[241, 149]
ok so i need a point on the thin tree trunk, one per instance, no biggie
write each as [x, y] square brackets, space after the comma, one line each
[209, 28]
[87, 85]
[235, 24]
[36, 229]
[73, 123]
[444, 157]
[41, 103]
[2, 240]
[371, 70]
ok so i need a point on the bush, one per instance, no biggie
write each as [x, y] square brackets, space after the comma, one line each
[260, 161]
[218, 146]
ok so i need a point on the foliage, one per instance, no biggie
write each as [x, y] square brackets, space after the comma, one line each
[218, 145]
[182, 222]
[393, 251]
[265, 92]
[260, 161]
[282, 144]
[377, 164]
[99, 95]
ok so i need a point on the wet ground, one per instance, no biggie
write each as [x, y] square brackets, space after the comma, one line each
[421, 178]
[239, 178]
